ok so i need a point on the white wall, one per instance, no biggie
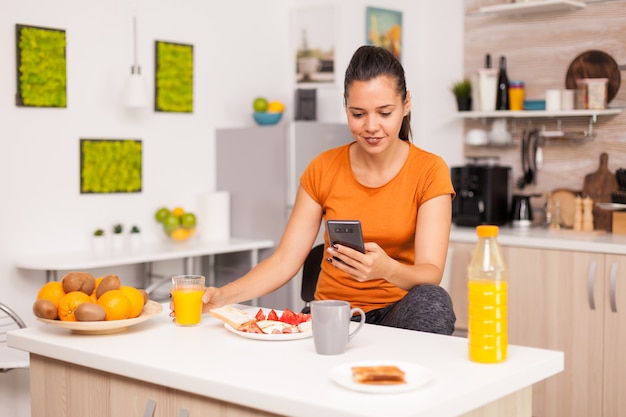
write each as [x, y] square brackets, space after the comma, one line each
[242, 49]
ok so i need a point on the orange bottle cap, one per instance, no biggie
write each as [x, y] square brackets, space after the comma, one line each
[487, 230]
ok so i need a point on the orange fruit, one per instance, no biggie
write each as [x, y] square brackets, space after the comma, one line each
[136, 300]
[116, 305]
[69, 302]
[52, 291]
[178, 211]
[181, 234]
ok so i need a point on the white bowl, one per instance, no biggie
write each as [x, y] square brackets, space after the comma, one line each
[476, 137]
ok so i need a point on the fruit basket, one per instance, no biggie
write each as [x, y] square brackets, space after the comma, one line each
[178, 224]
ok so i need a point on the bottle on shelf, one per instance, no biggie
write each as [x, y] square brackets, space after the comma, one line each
[487, 299]
[502, 98]
[488, 61]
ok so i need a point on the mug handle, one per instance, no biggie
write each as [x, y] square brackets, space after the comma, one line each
[355, 331]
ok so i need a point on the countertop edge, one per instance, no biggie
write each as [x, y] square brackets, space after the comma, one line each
[541, 238]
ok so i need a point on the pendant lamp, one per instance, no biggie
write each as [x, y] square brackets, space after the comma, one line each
[136, 94]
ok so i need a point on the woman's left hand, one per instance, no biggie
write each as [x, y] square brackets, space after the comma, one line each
[372, 264]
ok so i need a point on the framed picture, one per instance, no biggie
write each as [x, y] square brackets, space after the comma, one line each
[110, 166]
[313, 30]
[384, 28]
[41, 67]
[173, 77]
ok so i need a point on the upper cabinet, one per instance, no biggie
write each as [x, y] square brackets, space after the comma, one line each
[532, 7]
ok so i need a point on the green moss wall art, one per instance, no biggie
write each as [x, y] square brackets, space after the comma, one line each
[173, 77]
[110, 166]
[41, 67]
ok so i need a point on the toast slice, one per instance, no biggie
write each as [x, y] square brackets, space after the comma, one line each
[235, 317]
[378, 375]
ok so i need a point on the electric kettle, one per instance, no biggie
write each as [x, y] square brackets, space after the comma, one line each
[521, 211]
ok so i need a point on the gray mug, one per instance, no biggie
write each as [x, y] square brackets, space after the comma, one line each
[331, 325]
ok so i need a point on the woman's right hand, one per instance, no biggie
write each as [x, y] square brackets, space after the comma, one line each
[212, 298]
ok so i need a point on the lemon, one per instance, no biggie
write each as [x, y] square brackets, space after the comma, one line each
[275, 107]
[260, 104]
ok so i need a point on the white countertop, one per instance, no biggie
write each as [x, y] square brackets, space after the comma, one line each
[150, 252]
[543, 238]
[288, 377]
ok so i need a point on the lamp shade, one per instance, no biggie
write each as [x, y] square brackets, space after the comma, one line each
[136, 93]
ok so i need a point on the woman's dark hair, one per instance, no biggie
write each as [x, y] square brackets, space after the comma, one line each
[369, 62]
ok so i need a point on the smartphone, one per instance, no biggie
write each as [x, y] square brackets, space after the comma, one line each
[346, 232]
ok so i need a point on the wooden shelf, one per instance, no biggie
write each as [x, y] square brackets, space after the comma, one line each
[533, 7]
[527, 114]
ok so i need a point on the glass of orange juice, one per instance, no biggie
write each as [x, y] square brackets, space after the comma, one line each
[187, 293]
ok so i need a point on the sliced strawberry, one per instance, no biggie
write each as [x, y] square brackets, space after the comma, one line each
[260, 315]
[272, 315]
[289, 317]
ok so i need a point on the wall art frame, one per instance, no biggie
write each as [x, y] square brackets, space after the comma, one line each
[41, 66]
[384, 28]
[313, 29]
[173, 77]
[110, 166]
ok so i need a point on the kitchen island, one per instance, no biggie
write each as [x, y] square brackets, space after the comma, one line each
[157, 368]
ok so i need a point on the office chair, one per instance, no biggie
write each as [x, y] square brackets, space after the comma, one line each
[310, 272]
[10, 358]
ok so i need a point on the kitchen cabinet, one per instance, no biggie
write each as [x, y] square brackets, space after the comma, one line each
[76, 391]
[572, 301]
[614, 384]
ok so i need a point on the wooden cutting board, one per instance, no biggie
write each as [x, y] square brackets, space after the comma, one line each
[598, 186]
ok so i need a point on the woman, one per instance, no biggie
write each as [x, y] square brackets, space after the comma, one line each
[402, 196]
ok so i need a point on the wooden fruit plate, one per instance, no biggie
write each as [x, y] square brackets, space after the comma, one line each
[151, 309]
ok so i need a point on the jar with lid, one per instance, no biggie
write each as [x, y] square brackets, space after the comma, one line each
[516, 95]
[487, 299]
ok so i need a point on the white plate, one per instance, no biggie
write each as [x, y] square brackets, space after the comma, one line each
[416, 376]
[151, 309]
[275, 337]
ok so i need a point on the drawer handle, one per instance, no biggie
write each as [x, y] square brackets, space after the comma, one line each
[591, 278]
[183, 412]
[612, 287]
[149, 410]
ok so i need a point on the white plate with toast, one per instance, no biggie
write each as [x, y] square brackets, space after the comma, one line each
[275, 337]
[415, 376]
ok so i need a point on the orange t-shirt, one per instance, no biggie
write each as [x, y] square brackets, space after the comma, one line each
[388, 216]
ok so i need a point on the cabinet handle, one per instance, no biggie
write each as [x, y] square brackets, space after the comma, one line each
[183, 412]
[149, 410]
[591, 279]
[612, 285]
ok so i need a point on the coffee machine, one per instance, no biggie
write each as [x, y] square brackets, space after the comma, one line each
[482, 194]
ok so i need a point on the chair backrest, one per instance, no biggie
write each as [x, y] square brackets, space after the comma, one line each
[310, 272]
[10, 358]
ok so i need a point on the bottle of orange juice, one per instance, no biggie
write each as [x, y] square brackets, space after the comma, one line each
[487, 302]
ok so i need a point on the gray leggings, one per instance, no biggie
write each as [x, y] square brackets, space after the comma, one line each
[427, 308]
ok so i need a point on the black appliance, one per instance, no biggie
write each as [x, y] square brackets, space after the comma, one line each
[482, 194]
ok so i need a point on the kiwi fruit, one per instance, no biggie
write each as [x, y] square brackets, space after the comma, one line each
[79, 281]
[108, 283]
[45, 309]
[89, 312]
[146, 297]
